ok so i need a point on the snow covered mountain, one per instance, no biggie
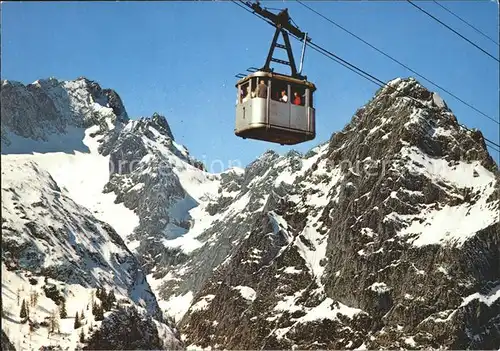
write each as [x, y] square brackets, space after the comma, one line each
[56, 253]
[386, 236]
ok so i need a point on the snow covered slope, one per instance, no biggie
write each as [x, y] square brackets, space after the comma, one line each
[59, 231]
[52, 116]
[386, 236]
[46, 327]
[45, 234]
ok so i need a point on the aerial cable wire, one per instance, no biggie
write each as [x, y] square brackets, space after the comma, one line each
[398, 62]
[467, 23]
[348, 65]
[454, 31]
[385, 85]
[322, 51]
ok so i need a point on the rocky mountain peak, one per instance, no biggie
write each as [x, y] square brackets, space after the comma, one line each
[260, 166]
[161, 124]
[405, 114]
[382, 237]
[321, 243]
[105, 97]
[154, 126]
[49, 109]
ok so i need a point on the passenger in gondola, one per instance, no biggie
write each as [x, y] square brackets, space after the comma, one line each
[296, 99]
[247, 95]
[284, 97]
[261, 90]
[242, 95]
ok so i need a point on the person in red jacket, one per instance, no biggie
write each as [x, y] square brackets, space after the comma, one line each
[296, 99]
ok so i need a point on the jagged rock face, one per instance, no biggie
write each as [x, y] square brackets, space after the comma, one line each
[406, 271]
[387, 237]
[46, 235]
[241, 200]
[49, 106]
[70, 244]
[53, 245]
[146, 164]
[6, 344]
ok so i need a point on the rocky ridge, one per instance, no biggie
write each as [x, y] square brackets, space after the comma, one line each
[55, 253]
[386, 236]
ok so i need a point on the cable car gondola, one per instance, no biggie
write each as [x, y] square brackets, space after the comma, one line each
[271, 106]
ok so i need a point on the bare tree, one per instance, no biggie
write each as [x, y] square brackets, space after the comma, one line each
[54, 324]
[92, 298]
[33, 298]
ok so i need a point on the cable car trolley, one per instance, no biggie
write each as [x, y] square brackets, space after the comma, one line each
[271, 106]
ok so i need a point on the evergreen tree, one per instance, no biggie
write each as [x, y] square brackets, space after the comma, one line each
[82, 315]
[104, 298]
[62, 312]
[111, 298]
[99, 315]
[94, 308]
[97, 335]
[24, 312]
[106, 302]
[82, 336]
[77, 321]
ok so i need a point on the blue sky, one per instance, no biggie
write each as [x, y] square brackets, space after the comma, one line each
[179, 59]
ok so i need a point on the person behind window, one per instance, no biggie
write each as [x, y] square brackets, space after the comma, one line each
[261, 90]
[296, 99]
[284, 97]
[238, 100]
[248, 95]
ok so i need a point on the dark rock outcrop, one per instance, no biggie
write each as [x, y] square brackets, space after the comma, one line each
[386, 236]
[6, 344]
[358, 248]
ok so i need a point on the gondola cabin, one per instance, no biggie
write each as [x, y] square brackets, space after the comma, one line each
[275, 108]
